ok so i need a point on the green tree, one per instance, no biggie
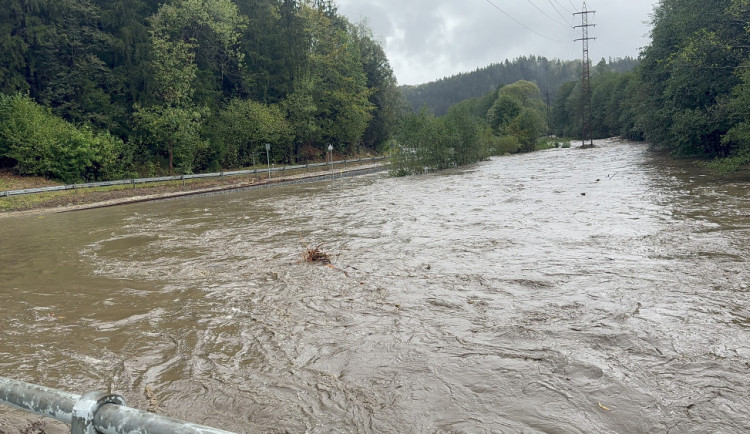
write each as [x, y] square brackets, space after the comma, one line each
[687, 74]
[503, 111]
[386, 100]
[178, 32]
[340, 92]
[517, 113]
[737, 138]
[410, 152]
[468, 144]
[525, 92]
[527, 127]
[173, 125]
[177, 130]
[301, 113]
[244, 127]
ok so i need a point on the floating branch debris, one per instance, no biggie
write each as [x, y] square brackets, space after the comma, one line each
[314, 254]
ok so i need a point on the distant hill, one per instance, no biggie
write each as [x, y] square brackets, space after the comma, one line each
[549, 75]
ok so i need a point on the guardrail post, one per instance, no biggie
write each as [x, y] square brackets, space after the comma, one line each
[85, 409]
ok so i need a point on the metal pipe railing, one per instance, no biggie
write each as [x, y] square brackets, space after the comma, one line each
[93, 412]
[38, 399]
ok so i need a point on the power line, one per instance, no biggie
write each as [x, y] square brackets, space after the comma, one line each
[546, 14]
[563, 7]
[571, 3]
[557, 10]
[520, 23]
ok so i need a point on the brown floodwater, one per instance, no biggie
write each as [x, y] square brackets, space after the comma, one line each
[563, 291]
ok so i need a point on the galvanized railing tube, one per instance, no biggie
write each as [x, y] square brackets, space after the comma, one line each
[92, 412]
[38, 399]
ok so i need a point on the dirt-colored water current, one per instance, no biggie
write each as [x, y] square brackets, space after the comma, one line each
[564, 291]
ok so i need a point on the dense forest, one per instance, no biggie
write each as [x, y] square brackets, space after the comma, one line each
[548, 75]
[95, 89]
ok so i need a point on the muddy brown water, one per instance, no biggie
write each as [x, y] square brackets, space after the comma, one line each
[565, 291]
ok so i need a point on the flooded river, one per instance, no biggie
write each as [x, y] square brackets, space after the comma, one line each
[564, 291]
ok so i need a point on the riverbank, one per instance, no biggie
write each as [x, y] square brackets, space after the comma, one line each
[76, 200]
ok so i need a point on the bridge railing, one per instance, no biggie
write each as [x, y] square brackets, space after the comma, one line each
[93, 412]
[135, 181]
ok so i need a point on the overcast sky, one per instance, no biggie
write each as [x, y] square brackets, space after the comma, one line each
[426, 40]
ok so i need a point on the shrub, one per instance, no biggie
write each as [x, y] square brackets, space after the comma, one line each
[33, 141]
[429, 143]
[506, 145]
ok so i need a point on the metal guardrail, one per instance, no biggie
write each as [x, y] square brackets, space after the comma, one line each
[92, 412]
[183, 178]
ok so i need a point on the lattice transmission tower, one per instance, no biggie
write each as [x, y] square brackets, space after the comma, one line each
[587, 133]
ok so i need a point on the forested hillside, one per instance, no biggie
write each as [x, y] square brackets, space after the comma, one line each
[185, 85]
[548, 75]
[95, 89]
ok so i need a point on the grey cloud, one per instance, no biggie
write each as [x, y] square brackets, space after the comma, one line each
[428, 39]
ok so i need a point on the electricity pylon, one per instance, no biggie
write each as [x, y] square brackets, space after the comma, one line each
[587, 133]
